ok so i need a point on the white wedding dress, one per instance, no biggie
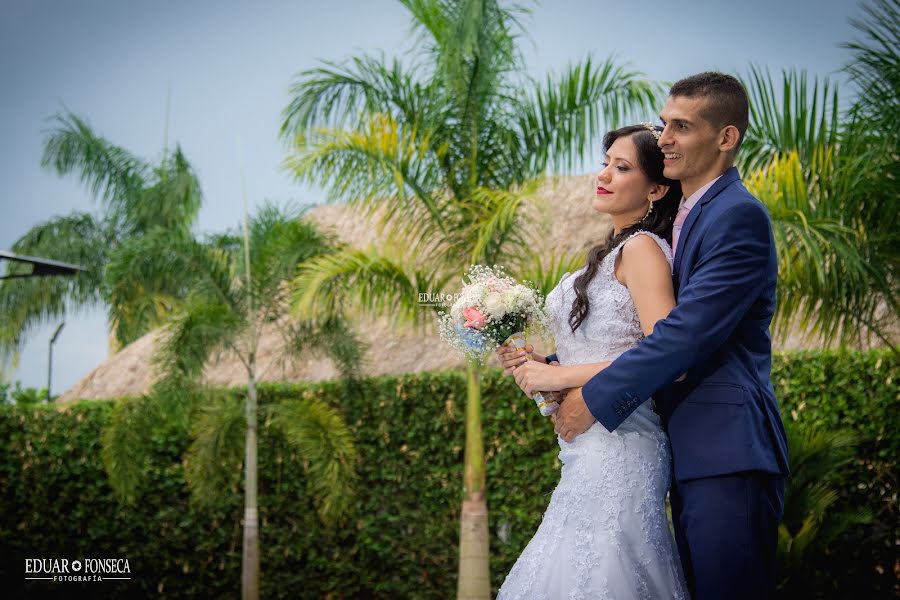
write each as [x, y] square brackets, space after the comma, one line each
[604, 534]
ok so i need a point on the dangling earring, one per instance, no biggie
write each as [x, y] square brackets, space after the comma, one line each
[649, 210]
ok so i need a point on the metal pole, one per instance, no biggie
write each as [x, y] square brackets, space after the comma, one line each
[50, 358]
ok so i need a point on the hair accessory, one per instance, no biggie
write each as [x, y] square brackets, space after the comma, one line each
[656, 132]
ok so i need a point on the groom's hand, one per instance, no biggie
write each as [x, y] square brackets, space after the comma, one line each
[573, 417]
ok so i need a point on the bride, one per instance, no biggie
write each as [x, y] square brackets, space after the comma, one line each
[605, 532]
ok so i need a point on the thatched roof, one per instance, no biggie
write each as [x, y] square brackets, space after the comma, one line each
[562, 217]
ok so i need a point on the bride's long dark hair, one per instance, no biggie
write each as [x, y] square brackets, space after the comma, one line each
[650, 161]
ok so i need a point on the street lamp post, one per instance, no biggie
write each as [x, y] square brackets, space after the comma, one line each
[40, 267]
[50, 358]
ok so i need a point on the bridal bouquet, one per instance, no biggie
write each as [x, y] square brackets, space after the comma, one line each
[494, 310]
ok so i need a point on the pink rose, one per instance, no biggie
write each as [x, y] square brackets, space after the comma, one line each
[475, 319]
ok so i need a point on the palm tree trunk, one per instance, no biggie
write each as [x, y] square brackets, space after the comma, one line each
[474, 573]
[250, 563]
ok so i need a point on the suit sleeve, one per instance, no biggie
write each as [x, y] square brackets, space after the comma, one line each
[724, 283]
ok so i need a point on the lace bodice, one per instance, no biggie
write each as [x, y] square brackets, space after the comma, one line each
[611, 326]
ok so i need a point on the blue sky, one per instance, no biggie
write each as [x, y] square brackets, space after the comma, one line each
[228, 66]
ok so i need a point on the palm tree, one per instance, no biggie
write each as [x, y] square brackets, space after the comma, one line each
[874, 71]
[828, 188]
[444, 154]
[235, 292]
[136, 196]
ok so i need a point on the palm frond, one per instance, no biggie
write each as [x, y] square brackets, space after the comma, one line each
[818, 456]
[110, 172]
[199, 329]
[500, 160]
[321, 437]
[800, 116]
[545, 271]
[368, 280]
[142, 296]
[170, 200]
[497, 232]
[473, 62]
[331, 337]
[213, 462]
[386, 160]
[874, 67]
[567, 115]
[209, 312]
[476, 55]
[174, 400]
[341, 95]
[429, 17]
[125, 446]
[812, 519]
[817, 452]
[280, 239]
[826, 277]
[150, 275]
[836, 524]
[127, 440]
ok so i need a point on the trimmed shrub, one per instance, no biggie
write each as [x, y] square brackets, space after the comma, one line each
[402, 540]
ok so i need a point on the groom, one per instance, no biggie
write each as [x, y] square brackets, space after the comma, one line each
[728, 441]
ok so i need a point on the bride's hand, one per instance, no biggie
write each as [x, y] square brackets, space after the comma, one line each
[511, 357]
[533, 376]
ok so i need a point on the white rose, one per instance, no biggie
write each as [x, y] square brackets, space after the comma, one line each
[475, 293]
[494, 305]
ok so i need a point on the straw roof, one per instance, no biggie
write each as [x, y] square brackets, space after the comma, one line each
[563, 221]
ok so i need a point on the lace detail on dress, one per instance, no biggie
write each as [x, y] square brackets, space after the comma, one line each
[605, 532]
[611, 326]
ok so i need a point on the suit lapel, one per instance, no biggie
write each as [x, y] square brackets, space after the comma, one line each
[727, 178]
[685, 230]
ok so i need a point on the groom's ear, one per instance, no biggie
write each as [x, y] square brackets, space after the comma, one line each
[729, 138]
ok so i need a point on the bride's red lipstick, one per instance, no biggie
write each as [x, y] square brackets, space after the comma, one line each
[602, 190]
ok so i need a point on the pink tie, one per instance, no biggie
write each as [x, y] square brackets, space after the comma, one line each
[683, 211]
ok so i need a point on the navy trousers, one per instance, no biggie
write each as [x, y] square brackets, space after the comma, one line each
[727, 533]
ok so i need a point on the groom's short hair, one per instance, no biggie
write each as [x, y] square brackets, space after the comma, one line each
[727, 102]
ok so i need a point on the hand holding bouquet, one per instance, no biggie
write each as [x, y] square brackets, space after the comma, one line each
[494, 310]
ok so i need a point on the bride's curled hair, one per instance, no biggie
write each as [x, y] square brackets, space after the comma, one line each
[659, 222]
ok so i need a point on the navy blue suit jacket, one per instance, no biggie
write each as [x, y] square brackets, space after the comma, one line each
[723, 418]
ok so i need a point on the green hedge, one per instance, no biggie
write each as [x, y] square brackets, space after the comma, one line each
[860, 392]
[401, 541]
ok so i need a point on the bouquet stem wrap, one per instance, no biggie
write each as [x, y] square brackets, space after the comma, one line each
[547, 402]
